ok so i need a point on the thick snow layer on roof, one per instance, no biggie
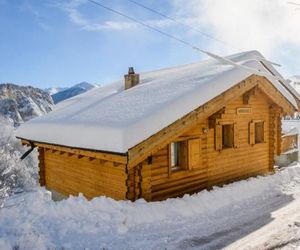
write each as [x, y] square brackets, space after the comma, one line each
[113, 119]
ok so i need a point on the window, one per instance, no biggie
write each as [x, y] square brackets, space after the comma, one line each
[257, 132]
[227, 136]
[185, 155]
[178, 155]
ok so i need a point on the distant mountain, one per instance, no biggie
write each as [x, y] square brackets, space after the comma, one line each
[73, 91]
[295, 78]
[295, 82]
[19, 104]
[54, 90]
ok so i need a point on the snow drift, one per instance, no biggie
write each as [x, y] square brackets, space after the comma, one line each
[33, 221]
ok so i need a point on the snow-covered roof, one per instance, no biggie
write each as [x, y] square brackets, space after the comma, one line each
[111, 119]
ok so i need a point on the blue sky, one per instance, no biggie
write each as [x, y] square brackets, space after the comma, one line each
[62, 42]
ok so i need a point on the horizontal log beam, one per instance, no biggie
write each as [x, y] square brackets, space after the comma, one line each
[81, 152]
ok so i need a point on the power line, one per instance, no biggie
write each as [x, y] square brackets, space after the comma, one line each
[177, 21]
[193, 28]
[144, 24]
[218, 58]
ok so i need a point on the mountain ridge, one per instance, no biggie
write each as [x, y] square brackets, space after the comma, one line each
[70, 92]
[19, 104]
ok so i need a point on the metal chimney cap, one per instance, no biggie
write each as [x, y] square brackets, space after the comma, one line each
[130, 71]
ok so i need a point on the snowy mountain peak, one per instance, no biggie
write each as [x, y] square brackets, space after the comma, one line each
[54, 90]
[295, 82]
[73, 91]
[295, 78]
[85, 85]
[19, 104]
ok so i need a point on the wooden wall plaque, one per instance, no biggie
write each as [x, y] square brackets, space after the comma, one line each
[243, 111]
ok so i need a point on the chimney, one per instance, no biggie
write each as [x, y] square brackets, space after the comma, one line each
[131, 79]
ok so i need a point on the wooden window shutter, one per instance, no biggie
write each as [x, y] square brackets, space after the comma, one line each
[252, 133]
[218, 137]
[183, 155]
[194, 155]
[265, 131]
[236, 135]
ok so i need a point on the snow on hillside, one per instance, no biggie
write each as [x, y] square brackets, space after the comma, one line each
[15, 175]
[54, 90]
[72, 91]
[259, 213]
[19, 104]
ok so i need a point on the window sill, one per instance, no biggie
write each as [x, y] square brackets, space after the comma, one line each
[226, 149]
[179, 172]
[259, 143]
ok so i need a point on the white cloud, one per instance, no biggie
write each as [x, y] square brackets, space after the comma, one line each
[72, 9]
[271, 27]
[37, 16]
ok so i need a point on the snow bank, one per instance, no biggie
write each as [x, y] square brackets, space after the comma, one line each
[15, 175]
[111, 119]
[33, 221]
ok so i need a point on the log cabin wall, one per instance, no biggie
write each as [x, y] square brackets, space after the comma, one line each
[216, 167]
[69, 173]
[289, 142]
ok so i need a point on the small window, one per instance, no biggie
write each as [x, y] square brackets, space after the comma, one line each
[178, 155]
[227, 136]
[259, 132]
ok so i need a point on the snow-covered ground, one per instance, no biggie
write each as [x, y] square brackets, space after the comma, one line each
[259, 213]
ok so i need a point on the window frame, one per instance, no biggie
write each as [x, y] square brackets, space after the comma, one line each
[174, 168]
[230, 138]
[219, 135]
[188, 163]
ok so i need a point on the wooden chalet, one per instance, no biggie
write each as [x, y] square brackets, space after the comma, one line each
[165, 133]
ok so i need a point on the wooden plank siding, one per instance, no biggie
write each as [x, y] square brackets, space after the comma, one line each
[71, 174]
[217, 167]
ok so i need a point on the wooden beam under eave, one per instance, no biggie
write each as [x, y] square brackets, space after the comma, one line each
[248, 94]
[87, 153]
